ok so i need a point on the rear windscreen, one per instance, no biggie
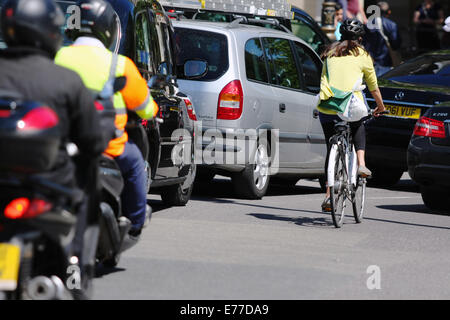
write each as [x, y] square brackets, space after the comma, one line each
[202, 45]
[431, 69]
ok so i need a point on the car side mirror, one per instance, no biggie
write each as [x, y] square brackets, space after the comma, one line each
[194, 69]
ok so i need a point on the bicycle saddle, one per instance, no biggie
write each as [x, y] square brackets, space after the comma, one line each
[341, 126]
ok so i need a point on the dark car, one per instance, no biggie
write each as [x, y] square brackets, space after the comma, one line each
[408, 91]
[429, 156]
[307, 29]
[302, 24]
[147, 39]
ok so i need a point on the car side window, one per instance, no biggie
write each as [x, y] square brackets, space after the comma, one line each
[163, 56]
[310, 67]
[305, 32]
[255, 62]
[283, 70]
[143, 47]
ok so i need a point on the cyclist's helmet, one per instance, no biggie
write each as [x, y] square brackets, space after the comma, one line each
[32, 23]
[351, 29]
[98, 20]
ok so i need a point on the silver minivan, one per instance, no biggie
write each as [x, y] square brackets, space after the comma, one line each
[255, 91]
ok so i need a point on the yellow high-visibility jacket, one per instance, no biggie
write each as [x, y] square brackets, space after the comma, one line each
[92, 61]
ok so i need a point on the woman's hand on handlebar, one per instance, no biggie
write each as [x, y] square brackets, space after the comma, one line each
[380, 109]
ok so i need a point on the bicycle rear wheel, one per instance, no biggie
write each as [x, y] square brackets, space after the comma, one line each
[337, 191]
[358, 200]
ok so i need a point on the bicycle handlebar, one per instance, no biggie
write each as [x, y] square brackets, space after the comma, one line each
[372, 113]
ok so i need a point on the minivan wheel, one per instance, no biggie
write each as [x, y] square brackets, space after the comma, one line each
[253, 181]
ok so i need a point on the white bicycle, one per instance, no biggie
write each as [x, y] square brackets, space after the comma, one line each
[343, 179]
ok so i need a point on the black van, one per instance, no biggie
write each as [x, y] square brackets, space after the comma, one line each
[147, 39]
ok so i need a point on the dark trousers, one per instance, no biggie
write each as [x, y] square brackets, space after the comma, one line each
[134, 195]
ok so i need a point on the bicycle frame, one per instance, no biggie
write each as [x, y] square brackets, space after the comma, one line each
[340, 143]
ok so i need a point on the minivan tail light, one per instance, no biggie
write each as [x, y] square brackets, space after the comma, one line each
[22, 208]
[231, 100]
[190, 109]
[427, 127]
[38, 119]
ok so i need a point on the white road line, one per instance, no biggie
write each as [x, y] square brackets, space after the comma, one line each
[381, 198]
[370, 198]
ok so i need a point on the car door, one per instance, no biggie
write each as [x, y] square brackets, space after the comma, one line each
[290, 114]
[169, 104]
[143, 58]
[310, 68]
[304, 27]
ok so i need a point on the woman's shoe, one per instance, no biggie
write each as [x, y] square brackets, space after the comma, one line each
[364, 172]
[326, 205]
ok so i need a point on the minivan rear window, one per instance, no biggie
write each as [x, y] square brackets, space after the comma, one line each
[204, 45]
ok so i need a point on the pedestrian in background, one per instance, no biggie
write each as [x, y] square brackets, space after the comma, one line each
[382, 41]
[355, 9]
[427, 17]
[338, 18]
[342, 4]
[445, 44]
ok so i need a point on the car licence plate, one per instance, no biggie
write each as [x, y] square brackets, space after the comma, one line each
[403, 112]
[9, 266]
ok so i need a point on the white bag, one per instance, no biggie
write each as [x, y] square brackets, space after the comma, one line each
[356, 109]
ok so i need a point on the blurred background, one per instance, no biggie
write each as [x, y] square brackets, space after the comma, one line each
[402, 14]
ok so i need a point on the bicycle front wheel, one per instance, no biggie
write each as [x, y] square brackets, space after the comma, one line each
[337, 191]
[359, 196]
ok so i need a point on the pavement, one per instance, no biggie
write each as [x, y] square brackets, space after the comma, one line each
[283, 247]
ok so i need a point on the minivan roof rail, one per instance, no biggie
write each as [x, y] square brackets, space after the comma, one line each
[270, 21]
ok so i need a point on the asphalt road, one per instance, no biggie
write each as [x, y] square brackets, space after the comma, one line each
[283, 247]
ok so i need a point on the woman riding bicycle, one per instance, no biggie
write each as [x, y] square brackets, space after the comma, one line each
[346, 62]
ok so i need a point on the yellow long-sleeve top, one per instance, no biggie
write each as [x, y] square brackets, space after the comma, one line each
[344, 72]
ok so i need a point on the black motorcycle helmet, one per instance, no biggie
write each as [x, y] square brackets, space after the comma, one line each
[98, 19]
[32, 23]
[351, 29]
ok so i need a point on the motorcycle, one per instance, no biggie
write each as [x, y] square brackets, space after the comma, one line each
[114, 226]
[37, 216]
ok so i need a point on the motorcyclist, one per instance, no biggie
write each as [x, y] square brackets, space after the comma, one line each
[90, 57]
[32, 32]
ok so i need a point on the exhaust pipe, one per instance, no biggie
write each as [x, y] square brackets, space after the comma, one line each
[44, 288]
